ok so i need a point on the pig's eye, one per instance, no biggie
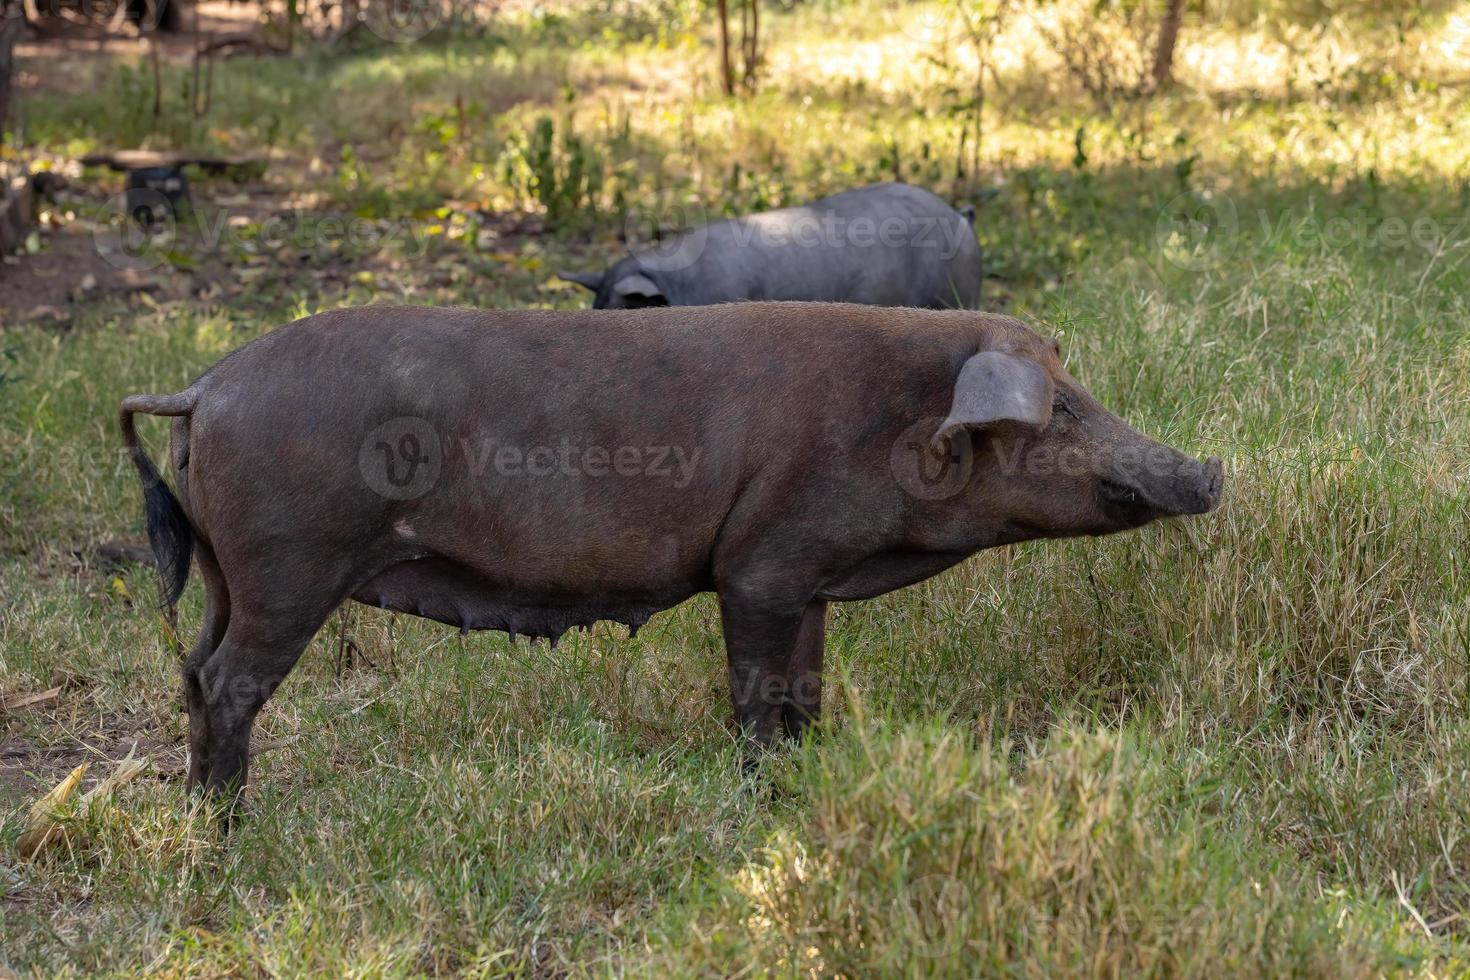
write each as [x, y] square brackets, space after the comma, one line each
[1061, 407]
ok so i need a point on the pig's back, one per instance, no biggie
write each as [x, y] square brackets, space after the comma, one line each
[885, 245]
[601, 358]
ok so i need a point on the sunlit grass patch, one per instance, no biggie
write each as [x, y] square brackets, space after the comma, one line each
[924, 852]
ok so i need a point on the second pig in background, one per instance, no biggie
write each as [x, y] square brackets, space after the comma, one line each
[882, 245]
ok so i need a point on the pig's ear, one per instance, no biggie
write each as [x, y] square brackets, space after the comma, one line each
[639, 290]
[591, 280]
[996, 387]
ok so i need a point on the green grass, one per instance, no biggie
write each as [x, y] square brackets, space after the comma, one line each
[1234, 744]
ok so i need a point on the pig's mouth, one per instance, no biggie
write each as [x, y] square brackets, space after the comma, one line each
[1195, 489]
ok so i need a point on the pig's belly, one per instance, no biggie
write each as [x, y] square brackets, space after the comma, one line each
[445, 591]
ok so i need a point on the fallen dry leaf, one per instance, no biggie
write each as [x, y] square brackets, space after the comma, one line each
[16, 701]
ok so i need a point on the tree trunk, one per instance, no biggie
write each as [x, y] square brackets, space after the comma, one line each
[727, 73]
[1163, 70]
[752, 44]
[11, 24]
[15, 192]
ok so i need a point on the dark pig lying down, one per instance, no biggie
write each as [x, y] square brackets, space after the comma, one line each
[534, 471]
[884, 245]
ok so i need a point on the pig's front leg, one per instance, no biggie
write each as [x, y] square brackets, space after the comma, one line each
[804, 672]
[760, 639]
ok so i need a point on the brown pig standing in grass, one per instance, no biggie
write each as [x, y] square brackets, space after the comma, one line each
[534, 471]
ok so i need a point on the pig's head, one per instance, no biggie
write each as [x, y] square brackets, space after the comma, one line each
[1047, 460]
[626, 286]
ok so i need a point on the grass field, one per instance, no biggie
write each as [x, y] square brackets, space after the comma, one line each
[1236, 744]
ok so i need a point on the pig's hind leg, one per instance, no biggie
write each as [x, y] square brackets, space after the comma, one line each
[211, 634]
[269, 628]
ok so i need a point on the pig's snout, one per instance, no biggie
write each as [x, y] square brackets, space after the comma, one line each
[1195, 490]
[1212, 484]
[1188, 486]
